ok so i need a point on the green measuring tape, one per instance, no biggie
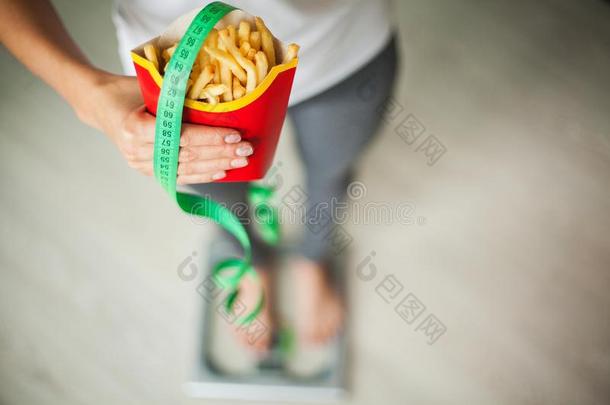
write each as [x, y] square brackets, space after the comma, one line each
[229, 272]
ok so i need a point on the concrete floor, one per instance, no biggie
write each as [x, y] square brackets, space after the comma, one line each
[509, 250]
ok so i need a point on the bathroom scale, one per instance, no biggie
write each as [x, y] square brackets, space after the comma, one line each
[271, 377]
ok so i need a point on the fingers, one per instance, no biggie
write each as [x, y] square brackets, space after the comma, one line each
[205, 154]
[198, 172]
[139, 129]
[200, 178]
[201, 135]
[192, 153]
[142, 153]
[144, 167]
[211, 166]
[208, 152]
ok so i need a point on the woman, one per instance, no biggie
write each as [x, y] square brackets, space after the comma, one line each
[345, 46]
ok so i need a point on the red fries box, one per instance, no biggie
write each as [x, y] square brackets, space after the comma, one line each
[258, 116]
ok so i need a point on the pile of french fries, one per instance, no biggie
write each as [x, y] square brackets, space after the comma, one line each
[230, 64]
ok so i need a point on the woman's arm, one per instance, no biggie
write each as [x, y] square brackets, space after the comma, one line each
[33, 32]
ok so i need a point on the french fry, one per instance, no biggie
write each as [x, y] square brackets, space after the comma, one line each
[221, 46]
[242, 60]
[291, 53]
[195, 71]
[220, 67]
[255, 40]
[169, 51]
[226, 78]
[232, 34]
[266, 40]
[244, 48]
[206, 75]
[203, 58]
[216, 71]
[238, 90]
[251, 54]
[243, 31]
[215, 89]
[227, 59]
[150, 51]
[260, 24]
[212, 39]
[167, 54]
[189, 83]
[209, 98]
[268, 48]
[261, 66]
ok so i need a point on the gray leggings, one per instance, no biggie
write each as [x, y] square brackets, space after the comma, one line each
[332, 128]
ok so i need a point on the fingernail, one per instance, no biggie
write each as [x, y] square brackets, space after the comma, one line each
[232, 138]
[183, 141]
[218, 176]
[238, 162]
[244, 151]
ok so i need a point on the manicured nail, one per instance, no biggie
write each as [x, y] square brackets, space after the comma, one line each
[238, 162]
[218, 176]
[232, 138]
[244, 151]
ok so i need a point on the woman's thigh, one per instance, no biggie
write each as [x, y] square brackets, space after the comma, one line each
[334, 126]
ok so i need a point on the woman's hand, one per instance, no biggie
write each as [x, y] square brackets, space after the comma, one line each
[116, 108]
[109, 102]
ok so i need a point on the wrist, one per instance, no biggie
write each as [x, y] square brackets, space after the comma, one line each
[105, 100]
[88, 95]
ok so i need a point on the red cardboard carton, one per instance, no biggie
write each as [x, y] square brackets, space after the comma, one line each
[258, 116]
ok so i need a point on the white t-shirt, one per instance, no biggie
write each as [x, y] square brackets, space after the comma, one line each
[337, 37]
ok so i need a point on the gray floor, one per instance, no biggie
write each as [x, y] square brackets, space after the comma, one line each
[509, 249]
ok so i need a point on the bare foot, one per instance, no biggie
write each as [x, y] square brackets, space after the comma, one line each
[319, 312]
[257, 335]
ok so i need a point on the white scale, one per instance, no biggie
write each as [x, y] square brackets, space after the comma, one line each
[269, 381]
